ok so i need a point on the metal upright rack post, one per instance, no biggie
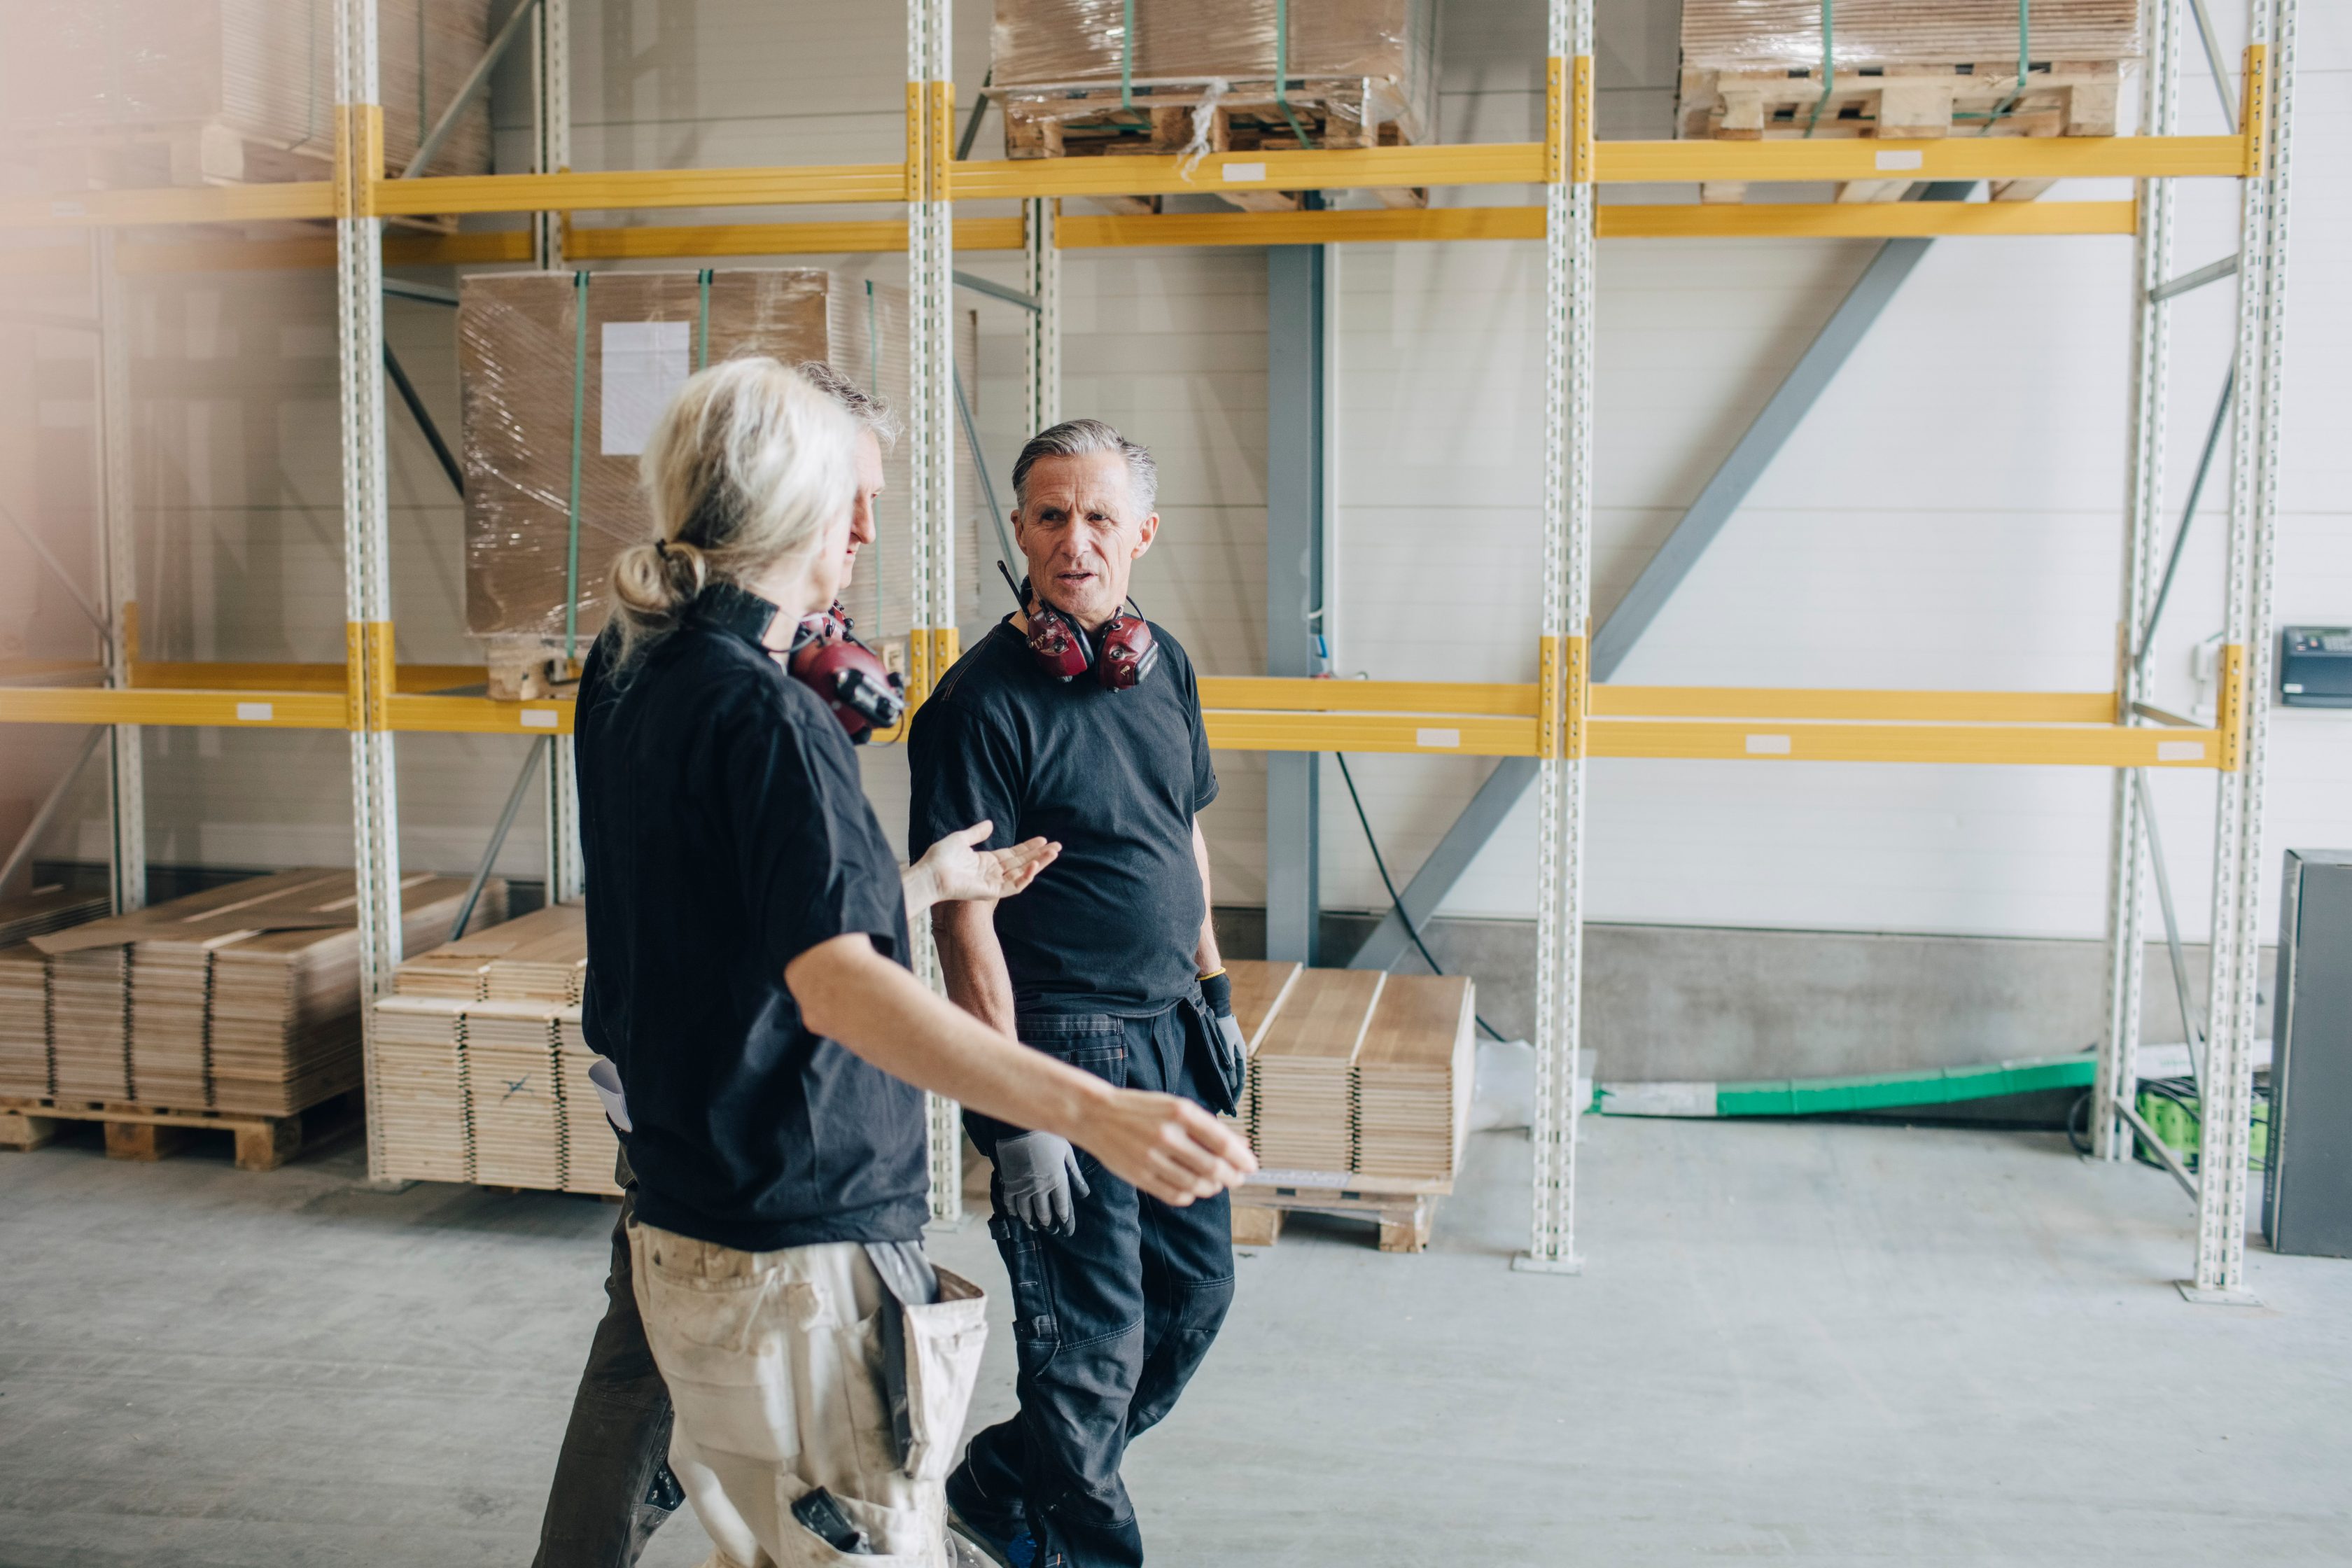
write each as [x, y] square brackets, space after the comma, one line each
[931, 336]
[119, 579]
[367, 565]
[1569, 208]
[2226, 1101]
[1042, 366]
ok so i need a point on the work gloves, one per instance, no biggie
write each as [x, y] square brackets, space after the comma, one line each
[1224, 1030]
[1037, 1171]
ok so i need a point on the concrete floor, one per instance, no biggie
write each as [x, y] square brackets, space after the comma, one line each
[1829, 1343]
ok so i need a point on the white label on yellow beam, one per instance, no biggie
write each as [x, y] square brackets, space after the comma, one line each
[539, 718]
[2181, 751]
[1767, 745]
[1447, 738]
[1900, 159]
[256, 712]
[1245, 171]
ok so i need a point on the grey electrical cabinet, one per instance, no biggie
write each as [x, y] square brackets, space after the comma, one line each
[2307, 1191]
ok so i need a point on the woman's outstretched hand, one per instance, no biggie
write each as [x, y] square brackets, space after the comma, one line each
[952, 870]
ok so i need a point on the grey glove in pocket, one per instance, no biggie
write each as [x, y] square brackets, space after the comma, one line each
[1038, 1171]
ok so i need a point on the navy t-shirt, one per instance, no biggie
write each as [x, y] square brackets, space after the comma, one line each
[726, 833]
[1115, 777]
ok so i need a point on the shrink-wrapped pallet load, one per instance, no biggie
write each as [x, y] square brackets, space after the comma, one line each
[1903, 70]
[227, 91]
[1072, 79]
[557, 413]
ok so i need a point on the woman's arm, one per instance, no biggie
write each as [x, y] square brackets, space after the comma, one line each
[1165, 1145]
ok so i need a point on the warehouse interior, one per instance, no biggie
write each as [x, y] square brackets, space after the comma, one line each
[1831, 670]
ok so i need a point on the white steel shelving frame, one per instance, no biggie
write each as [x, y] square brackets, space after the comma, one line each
[1571, 162]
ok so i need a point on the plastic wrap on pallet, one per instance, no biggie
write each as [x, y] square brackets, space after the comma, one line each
[246, 79]
[524, 360]
[1387, 46]
[1726, 33]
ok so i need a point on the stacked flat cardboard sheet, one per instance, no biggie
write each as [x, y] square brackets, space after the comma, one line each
[23, 1021]
[25, 1035]
[514, 1100]
[418, 1101]
[1726, 33]
[1413, 1078]
[591, 1148]
[1303, 1082]
[543, 955]
[1258, 989]
[249, 992]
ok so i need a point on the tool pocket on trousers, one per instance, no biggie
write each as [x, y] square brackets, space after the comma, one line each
[1091, 1042]
[722, 1351]
[944, 1345]
[877, 1536]
[1036, 1333]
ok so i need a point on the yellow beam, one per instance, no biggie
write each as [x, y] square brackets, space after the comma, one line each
[172, 205]
[1345, 168]
[615, 243]
[2103, 746]
[1958, 158]
[1291, 694]
[633, 189]
[244, 710]
[1427, 734]
[1859, 220]
[1913, 707]
[476, 716]
[190, 675]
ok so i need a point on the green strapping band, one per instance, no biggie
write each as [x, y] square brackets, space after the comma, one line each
[1127, 59]
[1829, 71]
[579, 419]
[1281, 70]
[702, 326]
[874, 384]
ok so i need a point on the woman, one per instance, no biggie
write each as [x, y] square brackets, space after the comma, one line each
[748, 979]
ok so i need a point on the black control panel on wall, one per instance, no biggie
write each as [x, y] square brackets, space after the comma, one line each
[2316, 666]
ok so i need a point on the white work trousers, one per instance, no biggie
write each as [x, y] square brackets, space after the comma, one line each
[774, 1366]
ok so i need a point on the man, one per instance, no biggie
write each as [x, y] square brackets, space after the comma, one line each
[613, 1485]
[1102, 963]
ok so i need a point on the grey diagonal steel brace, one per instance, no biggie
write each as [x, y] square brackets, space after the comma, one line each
[1733, 479]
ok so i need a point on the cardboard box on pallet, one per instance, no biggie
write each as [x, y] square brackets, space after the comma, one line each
[539, 392]
[130, 92]
[1362, 65]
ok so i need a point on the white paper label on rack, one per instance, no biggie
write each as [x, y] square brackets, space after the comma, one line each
[1900, 159]
[256, 712]
[2181, 751]
[1245, 171]
[1767, 745]
[645, 365]
[1448, 738]
[539, 718]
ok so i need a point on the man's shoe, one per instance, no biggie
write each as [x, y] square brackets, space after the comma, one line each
[1018, 1552]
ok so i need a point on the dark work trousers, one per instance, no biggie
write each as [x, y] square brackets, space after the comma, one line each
[599, 1514]
[1110, 1322]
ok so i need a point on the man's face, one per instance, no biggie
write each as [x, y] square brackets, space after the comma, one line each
[829, 567]
[1079, 531]
[869, 491]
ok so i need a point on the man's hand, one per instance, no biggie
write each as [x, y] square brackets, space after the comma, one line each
[1039, 1170]
[952, 870]
[1226, 1030]
[1165, 1145]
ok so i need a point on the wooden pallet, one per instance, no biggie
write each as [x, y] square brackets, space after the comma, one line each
[1092, 122]
[1928, 100]
[1405, 1210]
[147, 1132]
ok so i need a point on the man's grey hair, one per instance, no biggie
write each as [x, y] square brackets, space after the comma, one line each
[867, 408]
[1083, 439]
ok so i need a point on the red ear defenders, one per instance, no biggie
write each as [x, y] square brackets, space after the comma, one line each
[1064, 651]
[827, 658]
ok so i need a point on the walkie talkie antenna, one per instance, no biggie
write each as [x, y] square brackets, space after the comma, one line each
[1019, 598]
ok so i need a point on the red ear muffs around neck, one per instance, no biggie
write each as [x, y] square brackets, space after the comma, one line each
[1128, 652]
[1063, 650]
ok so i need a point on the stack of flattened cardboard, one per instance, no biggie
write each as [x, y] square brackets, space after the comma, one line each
[1303, 1082]
[1413, 1078]
[1259, 988]
[253, 990]
[591, 1148]
[513, 1100]
[419, 1099]
[482, 1072]
[25, 1060]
